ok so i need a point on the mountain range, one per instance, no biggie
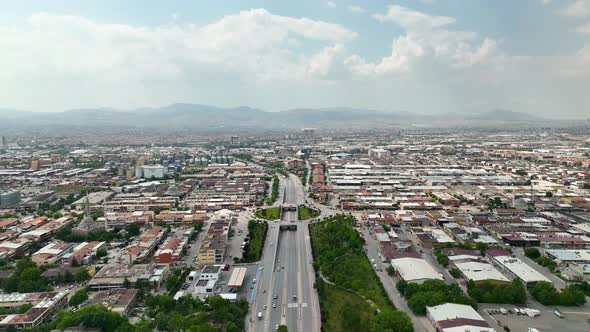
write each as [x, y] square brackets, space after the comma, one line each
[204, 117]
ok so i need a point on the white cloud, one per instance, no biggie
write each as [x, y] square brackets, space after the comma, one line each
[272, 61]
[355, 9]
[584, 29]
[426, 37]
[74, 61]
[577, 8]
[331, 4]
[545, 2]
[411, 19]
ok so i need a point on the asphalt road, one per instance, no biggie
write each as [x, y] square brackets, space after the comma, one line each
[287, 274]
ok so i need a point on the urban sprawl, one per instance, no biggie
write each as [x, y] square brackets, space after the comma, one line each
[305, 230]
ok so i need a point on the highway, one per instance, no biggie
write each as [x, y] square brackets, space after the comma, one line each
[286, 274]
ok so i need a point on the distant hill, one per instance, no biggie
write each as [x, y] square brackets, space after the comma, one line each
[204, 117]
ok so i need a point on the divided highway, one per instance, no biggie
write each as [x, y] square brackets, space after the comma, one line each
[284, 291]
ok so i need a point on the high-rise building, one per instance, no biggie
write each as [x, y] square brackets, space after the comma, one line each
[3, 142]
[308, 132]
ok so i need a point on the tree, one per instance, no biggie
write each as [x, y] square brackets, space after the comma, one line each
[82, 275]
[546, 294]
[455, 273]
[79, 297]
[548, 194]
[282, 328]
[392, 321]
[101, 253]
[442, 259]
[390, 270]
[532, 253]
[132, 229]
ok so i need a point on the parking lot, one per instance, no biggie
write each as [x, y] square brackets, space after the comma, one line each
[575, 318]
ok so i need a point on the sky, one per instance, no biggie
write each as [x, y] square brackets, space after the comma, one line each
[423, 56]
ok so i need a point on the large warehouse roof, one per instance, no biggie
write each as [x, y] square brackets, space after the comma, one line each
[478, 271]
[414, 269]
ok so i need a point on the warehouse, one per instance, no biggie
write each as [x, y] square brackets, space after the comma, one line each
[413, 269]
[451, 317]
[480, 272]
[520, 269]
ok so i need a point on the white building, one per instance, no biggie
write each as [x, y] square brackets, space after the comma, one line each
[519, 269]
[481, 272]
[451, 317]
[150, 171]
[379, 153]
[415, 270]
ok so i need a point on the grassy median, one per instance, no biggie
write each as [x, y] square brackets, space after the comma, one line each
[305, 213]
[272, 213]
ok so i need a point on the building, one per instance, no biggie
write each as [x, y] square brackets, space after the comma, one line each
[151, 172]
[115, 275]
[188, 217]
[119, 300]
[451, 317]
[9, 199]
[210, 272]
[481, 272]
[379, 153]
[140, 249]
[94, 198]
[204, 287]
[212, 250]
[412, 269]
[308, 132]
[51, 253]
[517, 268]
[45, 306]
[173, 247]
[236, 278]
[83, 253]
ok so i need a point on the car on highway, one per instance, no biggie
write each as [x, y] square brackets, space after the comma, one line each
[274, 305]
[274, 296]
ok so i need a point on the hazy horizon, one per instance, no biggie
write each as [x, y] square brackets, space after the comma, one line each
[425, 57]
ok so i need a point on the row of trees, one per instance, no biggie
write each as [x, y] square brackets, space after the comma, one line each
[546, 294]
[257, 233]
[534, 254]
[514, 293]
[274, 194]
[431, 293]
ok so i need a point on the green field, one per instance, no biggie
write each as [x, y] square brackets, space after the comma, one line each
[352, 304]
[342, 310]
[272, 213]
[306, 213]
[74, 189]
